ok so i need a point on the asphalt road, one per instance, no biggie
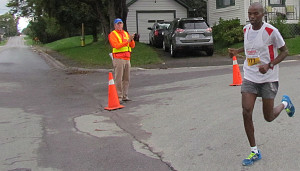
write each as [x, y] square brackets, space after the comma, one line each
[185, 119]
[194, 119]
[50, 120]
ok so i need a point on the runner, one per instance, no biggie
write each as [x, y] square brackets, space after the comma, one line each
[261, 44]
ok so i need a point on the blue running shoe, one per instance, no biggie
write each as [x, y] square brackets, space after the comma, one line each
[290, 109]
[252, 158]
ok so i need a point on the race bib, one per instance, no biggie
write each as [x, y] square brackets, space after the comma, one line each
[252, 57]
[253, 61]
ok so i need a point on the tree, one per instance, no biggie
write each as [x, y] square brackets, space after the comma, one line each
[9, 23]
[42, 24]
[65, 15]
[199, 8]
[71, 13]
[25, 8]
[106, 11]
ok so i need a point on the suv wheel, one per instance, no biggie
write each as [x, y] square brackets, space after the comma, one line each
[210, 51]
[173, 51]
[165, 47]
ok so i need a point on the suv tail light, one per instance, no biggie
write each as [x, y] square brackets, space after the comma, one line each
[208, 30]
[156, 33]
[179, 30]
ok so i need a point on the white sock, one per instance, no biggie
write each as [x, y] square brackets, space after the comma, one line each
[285, 104]
[254, 149]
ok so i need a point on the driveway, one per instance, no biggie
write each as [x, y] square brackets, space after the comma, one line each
[192, 59]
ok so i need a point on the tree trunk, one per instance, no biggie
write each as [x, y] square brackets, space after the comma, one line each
[108, 11]
[121, 11]
[95, 34]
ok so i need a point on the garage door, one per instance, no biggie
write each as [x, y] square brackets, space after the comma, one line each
[146, 19]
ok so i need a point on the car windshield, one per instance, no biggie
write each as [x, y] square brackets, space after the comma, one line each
[164, 26]
[193, 25]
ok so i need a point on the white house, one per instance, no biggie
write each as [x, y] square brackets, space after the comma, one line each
[230, 9]
[143, 13]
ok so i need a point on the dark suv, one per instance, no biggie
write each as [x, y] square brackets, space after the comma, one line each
[155, 35]
[188, 33]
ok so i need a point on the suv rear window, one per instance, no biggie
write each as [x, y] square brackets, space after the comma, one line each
[163, 26]
[193, 25]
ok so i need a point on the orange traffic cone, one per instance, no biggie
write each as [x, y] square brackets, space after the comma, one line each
[237, 79]
[113, 99]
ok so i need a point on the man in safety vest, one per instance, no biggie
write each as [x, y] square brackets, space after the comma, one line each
[121, 43]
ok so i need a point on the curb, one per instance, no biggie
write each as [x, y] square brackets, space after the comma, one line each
[55, 63]
[58, 65]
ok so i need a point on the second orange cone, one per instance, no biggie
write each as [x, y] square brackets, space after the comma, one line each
[237, 79]
[113, 99]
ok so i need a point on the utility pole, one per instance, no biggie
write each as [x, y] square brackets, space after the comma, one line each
[82, 35]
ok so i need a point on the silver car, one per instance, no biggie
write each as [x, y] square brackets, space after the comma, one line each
[188, 33]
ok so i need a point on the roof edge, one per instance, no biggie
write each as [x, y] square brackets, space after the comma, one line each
[131, 2]
[184, 4]
[178, 1]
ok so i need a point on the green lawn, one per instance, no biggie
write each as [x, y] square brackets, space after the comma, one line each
[97, 53]
[293, 45]
[28, 41]
[3, 42]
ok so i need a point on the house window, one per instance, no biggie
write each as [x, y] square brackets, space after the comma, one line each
[277, 3]
[225, 3]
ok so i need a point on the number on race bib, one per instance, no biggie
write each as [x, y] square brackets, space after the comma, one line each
[253, 61]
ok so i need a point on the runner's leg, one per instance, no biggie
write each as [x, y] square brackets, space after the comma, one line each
[248, 101]
[271, 113]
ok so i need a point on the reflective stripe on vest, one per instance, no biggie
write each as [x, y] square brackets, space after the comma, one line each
[122, 49]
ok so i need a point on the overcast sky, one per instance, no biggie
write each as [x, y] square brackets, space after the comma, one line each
[3, 8]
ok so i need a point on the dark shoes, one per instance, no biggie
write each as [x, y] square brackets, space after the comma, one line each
[122, 101]
[126, 100]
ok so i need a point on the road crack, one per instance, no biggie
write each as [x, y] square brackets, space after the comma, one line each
[145, 144]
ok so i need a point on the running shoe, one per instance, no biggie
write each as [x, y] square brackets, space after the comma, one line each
[252, 158]
[290, 109]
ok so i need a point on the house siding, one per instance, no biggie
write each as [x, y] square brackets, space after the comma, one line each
[163, 8]
[240, 10]
[227, 13]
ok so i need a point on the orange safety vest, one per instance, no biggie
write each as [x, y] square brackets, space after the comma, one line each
[122, 49]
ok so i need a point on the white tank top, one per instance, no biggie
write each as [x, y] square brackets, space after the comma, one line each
[261, 49]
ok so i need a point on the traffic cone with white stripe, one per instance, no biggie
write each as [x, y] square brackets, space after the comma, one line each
[113, 99]
[237, 79]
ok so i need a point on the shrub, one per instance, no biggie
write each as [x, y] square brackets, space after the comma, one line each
[228, 32]
[283, 28]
